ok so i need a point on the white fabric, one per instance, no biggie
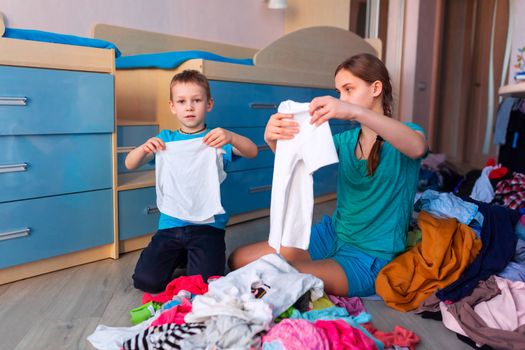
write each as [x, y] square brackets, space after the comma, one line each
[244, 307]
[113, 338]
[189, 174]
[483, 190]
[292, 186]
[226, 332]
[283, 284]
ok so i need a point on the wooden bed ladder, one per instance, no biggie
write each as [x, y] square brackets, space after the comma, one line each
[2, 25]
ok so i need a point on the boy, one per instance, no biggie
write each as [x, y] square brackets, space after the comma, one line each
[202, 241]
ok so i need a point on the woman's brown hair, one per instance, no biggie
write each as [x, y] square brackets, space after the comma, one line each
[369, 68]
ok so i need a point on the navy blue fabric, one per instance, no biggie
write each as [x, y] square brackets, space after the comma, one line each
[48, 37]
[170, 60]
[203, 246]
[499, 245]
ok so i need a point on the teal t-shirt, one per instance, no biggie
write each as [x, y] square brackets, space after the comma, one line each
[373, 212]
[166, 221]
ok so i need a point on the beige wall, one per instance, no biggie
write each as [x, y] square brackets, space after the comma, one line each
[308, 13]
[408, 62]
[241, 22]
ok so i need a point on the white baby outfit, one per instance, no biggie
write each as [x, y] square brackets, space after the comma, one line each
[292, 187]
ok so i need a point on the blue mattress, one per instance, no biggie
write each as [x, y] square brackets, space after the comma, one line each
[170, 60]
[48, 37]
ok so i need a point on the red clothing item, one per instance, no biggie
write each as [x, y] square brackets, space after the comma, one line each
[400, 336]
[498, 173]
[341, 335]
[193, 284]
[512, 191]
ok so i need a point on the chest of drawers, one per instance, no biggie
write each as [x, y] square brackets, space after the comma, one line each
[57, 164]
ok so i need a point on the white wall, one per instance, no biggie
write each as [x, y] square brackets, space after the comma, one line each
[518, 38]
[241, 22]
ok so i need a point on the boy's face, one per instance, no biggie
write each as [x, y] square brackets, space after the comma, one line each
[190, 105]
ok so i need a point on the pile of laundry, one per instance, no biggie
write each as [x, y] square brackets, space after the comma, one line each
[466, 267]
[267, 304]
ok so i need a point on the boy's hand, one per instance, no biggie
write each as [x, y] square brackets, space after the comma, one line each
[153, 145]
[218, 137]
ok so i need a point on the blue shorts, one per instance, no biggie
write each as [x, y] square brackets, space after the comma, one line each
[360, 268]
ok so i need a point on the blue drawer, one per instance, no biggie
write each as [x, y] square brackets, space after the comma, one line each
[130, 137]
[45, 101]
[56, 225]
[36, 166]
[263, 160]
[245, 191]
[251, 105]
[325, 180]
[137, 212]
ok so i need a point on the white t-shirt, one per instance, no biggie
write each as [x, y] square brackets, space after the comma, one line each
[189, 174]
[269, 278]
[292, 187]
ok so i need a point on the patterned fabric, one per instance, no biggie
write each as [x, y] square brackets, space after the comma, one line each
[165, 337]
[511, 192]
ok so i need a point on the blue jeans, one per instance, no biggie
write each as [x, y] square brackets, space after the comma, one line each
[203, 246]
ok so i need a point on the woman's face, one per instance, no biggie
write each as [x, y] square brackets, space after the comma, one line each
[355, 90]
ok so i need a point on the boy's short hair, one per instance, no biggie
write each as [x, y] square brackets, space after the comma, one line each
[191, 76]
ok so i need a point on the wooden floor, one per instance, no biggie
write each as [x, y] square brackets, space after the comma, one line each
[59, 310]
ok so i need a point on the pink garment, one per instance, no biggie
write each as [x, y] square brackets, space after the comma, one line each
[297, 335]
[174, 315]
[449, 321]
[507, 310]
[492, 315]
[193, 284]
[342, 336]
[400, 336]
[353, 305]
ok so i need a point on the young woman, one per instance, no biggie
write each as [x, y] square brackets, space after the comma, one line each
[378, 173]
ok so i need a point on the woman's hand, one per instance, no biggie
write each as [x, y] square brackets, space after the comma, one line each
[328, 107]
[280, 127]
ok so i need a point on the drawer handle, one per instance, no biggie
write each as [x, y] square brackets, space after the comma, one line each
[125, 149]
[152, 210]
[14, 234]
[263, 148]
[13, 168]
[13, 101]
[260, 189]
[263, 106]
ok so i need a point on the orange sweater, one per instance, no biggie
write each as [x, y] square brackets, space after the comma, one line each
[446, 249]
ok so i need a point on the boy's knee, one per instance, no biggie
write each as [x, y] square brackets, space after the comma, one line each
[147, 284]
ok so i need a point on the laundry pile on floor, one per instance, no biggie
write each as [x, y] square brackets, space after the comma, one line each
[267, 304]
[465, 264]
